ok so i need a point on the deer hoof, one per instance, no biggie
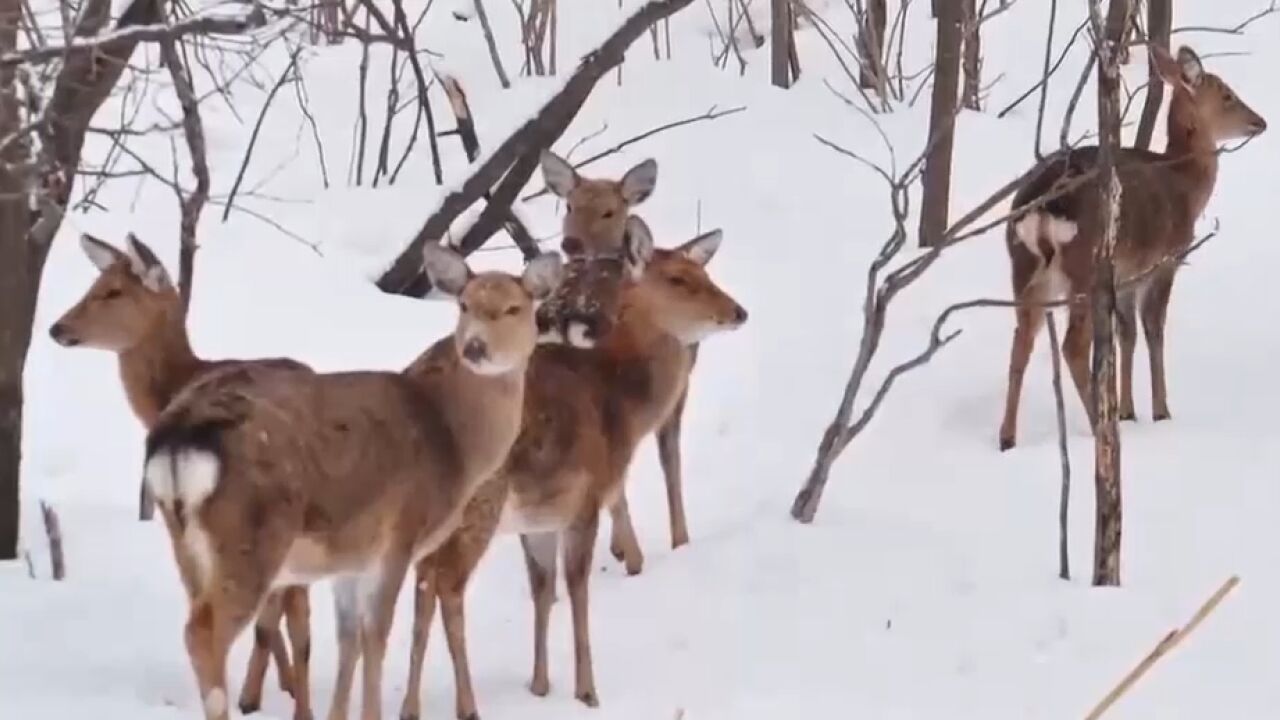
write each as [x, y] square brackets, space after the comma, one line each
[589, 698]
[540, 687]
[1162, 416]
[249, 707]
[1007, 443]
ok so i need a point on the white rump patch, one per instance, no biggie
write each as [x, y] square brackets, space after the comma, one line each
[185, 474]
[1037, 223]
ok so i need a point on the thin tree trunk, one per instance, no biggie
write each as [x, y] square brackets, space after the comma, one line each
[872, 74]
[1106, 557]
[972, 60]
[780, 52]
[1159, 28]
[493, 46]
[935, 204]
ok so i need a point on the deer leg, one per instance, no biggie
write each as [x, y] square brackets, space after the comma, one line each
[1075, 350]
[297, 612]
[580, 540]
[214, 621]
[453, 587]
[379, 588]
[1029, 320]
[347, 615]
[540, 560]
[624, 545]
[669, 456]
[1127, 327]
[1155, 307]
[265, 636]
[424, 610]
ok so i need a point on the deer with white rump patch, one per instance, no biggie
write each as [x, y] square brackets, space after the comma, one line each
[585, 413]
[133, 310]
[278, 479]
[1162, 194]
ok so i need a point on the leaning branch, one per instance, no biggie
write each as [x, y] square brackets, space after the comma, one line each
[203, 24]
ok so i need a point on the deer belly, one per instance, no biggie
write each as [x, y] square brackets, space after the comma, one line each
[309, 560]
[547, 514]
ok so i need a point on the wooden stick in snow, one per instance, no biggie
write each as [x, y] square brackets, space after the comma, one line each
[1162, 648]
[53, 529]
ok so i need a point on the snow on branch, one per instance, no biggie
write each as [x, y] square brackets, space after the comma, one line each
[211, 22]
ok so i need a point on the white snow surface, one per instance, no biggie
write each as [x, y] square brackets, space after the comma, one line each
[927, 586]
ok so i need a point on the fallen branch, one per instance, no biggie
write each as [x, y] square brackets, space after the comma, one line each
[53, 530]
[1164, 647]
[711, 114]
[534, 136]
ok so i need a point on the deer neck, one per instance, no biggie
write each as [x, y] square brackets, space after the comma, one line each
[1192, 150]
[650, 365]
[483, 412]
[155, 368]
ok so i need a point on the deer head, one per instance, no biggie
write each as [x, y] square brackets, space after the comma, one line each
[133, 292]
[596, 210]
[496, 330]
[1207, 102]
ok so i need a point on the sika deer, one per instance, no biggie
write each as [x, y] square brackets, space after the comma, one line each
[1051, 248]
[133, 310]
[274, 478]
[593, 226]
[585, 412]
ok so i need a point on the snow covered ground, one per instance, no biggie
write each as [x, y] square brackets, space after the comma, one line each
[927, 587]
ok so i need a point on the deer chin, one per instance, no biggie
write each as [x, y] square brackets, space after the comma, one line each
[695, 334]
[491, 366]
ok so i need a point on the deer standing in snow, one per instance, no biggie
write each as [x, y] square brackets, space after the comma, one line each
[1051, 247]
[276, 478]
[594, 226]
[133, 310]
[585, 413]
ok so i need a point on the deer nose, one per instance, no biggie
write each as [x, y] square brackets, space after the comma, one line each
[739, 314]
[62, 335]
[572, 246]
[1259, 126]
[474, 350]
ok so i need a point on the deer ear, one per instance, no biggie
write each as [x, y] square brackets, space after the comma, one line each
[543, 275]
[637, 184]
[1190, 65]
[702, 248]
[100, 254]
[445, 268]
[144, 264]
[638, 245]
[559, 175]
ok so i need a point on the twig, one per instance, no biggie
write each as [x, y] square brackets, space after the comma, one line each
[1164, 647]
[257, 128]
[1044, 84]
[53, 530]
[1060, 410]
[492, 45]
[711, 114]
[193, 204]
[1044, 79]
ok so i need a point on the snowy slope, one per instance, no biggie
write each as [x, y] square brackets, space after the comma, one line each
[927, 587]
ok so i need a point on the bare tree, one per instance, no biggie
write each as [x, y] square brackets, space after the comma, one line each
[971, 62]
[936, 199]
[44, 129]
[1159, 28]
[873, 19]
[1106, 551]
[782, 51]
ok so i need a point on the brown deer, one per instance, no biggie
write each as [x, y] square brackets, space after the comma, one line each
[276, 478]
[585, 412]
[1051, 247]
[594, 225]
[133, 310]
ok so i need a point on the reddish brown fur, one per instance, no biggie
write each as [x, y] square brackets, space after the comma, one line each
[352, 474]
[585, 412]
[1162, 195]
[146, 328]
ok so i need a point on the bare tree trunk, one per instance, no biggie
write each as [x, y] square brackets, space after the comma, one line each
[1106, 553]
[871, 45]
[493, 46]
[1159, 28]
[972, 61]
[83, 82]
[936, 200]
[783, 38]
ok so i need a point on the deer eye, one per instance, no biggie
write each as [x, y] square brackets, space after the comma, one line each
[677, 281]
[512, 311]
[462, 306]
[608, 214]
[568, 207]
[112, 294]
